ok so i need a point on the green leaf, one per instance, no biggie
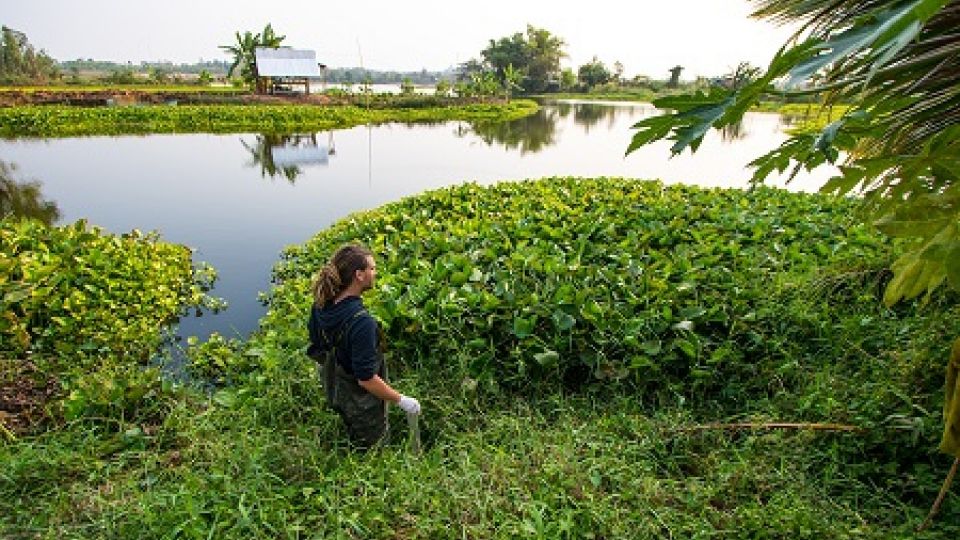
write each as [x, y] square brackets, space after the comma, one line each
[564, 321]
[907, 224]
[686, 346]
[523, 327]
[953, 267]
[548, 358]
[19, 293]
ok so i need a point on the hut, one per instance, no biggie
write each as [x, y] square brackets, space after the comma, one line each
[280, 70]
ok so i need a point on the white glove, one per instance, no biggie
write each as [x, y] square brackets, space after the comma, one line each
[409, 405]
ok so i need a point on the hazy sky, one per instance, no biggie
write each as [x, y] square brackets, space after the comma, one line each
[707, 37]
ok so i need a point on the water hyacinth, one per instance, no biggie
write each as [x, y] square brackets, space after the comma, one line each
[575, 280]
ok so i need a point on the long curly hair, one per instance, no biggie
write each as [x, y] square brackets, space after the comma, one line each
[338, 274]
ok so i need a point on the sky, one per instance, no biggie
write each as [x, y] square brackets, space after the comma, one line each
[706, 37]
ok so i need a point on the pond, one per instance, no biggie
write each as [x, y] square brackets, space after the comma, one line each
[239, 199]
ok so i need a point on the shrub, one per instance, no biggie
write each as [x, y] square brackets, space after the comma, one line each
[524, 284]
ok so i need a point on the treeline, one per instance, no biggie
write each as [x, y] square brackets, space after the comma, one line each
[214, 67]
[20, 62]
[356, 75]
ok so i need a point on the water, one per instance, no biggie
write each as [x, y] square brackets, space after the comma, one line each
[239, 199]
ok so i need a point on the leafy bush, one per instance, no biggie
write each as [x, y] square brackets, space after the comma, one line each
[79, 294]
[89, 308]
[219, 359]
[564, 279]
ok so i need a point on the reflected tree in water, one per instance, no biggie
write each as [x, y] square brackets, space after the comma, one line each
[283, 155]
[22, 199]
[530, 134]
[591, 114]
[733, 132]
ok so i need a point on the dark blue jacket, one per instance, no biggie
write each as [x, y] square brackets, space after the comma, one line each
[352, 330]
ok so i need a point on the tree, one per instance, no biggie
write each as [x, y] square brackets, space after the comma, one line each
[744, 74]
[20, 62]
[466, 70]
[159, 75]
[593, 73]
[243, 52]
[895, 61]
[568, 79]
[443, 88]
[406, 87]
[674, 76]
[535, 55]
[618, 71]
[511, 80]
[546, 51]
[507, 51]
[485, 84]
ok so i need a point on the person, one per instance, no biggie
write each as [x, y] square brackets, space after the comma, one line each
[347, 339]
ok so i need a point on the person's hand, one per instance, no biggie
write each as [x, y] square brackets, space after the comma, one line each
[409, 405]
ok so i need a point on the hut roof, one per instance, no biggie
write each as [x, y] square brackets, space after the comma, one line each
[286, 62]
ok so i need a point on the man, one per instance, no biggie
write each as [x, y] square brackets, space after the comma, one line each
[346, 337]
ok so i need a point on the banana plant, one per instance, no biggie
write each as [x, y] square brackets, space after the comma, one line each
[511, 80]
[243, 51]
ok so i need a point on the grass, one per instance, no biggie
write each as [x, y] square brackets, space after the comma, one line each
[559, 467]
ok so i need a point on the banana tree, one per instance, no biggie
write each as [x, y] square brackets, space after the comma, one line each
[511, 80]
[244, 55]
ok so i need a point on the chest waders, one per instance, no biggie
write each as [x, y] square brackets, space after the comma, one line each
[364, 414]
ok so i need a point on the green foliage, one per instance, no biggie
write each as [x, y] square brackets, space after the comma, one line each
[568, 79]
[593, 73]
[90, 310]
[901, 138]
[115, 391]
[77, 296]
[60, 121]
[219, 359]
[205, 78]
[244, 52]
[20, 63]
[576, 280]
[443, 88]
[159, 76]
[406, 87]
[535, 56]
[123, 76]
[264, 457]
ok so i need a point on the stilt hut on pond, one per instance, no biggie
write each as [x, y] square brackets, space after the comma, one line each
[281, 70]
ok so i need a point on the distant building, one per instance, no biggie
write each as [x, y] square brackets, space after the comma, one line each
[280, 70]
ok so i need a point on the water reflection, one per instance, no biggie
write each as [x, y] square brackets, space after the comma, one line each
[733, 132]
[284, 155]
[539, 131]
[588, 115]
[530, 134]
[23, 199]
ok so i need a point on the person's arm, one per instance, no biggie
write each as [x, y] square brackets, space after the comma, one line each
[379, 387]
[365, 360]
